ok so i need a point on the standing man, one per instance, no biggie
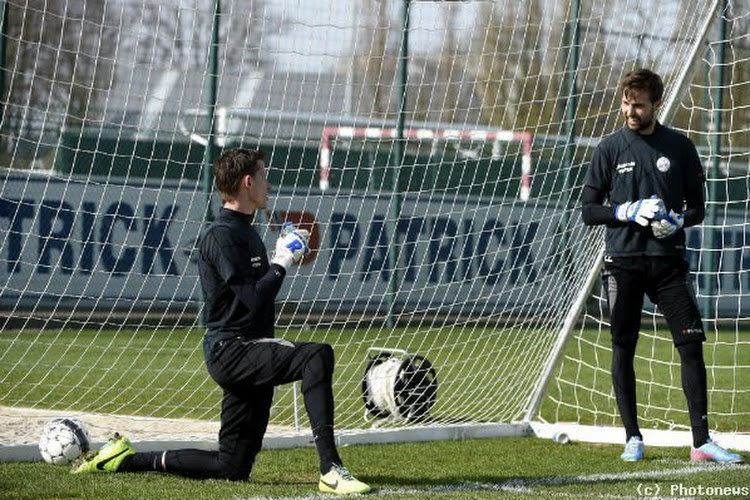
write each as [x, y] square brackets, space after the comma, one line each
[242, 355]
[653, 181]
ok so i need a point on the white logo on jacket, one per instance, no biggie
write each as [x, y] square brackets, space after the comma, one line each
[623, 168]
[663, 164]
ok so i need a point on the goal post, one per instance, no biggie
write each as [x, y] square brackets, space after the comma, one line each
[487, 321]
[472, 136]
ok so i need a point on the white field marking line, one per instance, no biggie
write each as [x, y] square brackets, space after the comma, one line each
[526, 485]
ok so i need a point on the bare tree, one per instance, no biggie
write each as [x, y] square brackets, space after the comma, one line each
[512, 77]
[738, 101]
[177, 33]
[726, 58]
[374, 56]
[64, 57]
[59, 61]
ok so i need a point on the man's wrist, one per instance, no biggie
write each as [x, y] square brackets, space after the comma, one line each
[278, 269]
[283, 259]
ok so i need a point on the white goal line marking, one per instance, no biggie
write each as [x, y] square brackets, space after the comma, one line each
[526, 485]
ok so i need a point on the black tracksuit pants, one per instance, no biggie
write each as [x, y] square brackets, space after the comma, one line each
[247, 370]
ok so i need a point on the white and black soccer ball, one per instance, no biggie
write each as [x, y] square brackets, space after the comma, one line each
[63, 440]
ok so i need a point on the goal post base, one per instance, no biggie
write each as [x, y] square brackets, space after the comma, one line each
[576, 432]
[652, 437]
[456, 432]
[303, 439]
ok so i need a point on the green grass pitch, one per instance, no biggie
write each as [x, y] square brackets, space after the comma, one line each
[476, 469]
[512, 468]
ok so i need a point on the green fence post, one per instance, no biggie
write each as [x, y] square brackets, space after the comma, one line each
[397, 158]
[210, 152]
[714, 130]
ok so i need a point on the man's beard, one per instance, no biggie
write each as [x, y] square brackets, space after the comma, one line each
[641, 124]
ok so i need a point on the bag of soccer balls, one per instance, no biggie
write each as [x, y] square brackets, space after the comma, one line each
[63, 441]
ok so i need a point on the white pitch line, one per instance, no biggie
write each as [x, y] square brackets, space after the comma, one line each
[526, 485]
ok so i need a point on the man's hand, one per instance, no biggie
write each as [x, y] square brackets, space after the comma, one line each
[640, 211]
[667, 226]
[291, 246]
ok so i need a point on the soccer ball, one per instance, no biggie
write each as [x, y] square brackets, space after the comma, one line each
[63, 440]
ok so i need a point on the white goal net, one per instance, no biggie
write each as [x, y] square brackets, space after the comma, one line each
[436, 152]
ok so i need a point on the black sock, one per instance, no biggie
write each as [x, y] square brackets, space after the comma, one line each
[326, 446]
[694, 385]
[142, 462]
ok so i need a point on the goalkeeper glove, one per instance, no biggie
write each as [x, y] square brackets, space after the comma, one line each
[667, 226]
[291, 246]
[640, 211]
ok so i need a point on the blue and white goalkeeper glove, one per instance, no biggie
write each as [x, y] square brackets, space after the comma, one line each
[640, 211]
[291, 246]
[668, 225]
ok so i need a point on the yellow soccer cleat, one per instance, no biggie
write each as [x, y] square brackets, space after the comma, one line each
[340, 481]
[108, 458]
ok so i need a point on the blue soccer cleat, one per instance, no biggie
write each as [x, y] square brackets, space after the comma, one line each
[712, 452]
[633, 450]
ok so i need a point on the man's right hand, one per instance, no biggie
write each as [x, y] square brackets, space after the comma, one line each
[640, 211]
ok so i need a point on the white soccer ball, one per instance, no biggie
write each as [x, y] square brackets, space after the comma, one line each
[63, 440]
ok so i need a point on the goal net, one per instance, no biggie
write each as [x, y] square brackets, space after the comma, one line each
[435, 151]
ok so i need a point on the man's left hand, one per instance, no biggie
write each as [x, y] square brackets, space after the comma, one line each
[291, 246]
[668, 225]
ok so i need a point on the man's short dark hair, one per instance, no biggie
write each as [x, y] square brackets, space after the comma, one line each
[643, 80]
[232, 166]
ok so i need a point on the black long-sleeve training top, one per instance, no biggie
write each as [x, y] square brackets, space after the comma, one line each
[628, 166]
[239, 285]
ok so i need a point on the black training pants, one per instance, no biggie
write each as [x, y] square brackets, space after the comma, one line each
[247, 370]
[666, 281]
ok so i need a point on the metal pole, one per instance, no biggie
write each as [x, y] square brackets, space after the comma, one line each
[209, 153]
[395, 165]
[3, 36]
[212, 75]
[571, 70]
[569, 120]
[714, 130]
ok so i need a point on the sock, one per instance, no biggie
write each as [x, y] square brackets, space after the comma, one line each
[142, 462]
[326, 445]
